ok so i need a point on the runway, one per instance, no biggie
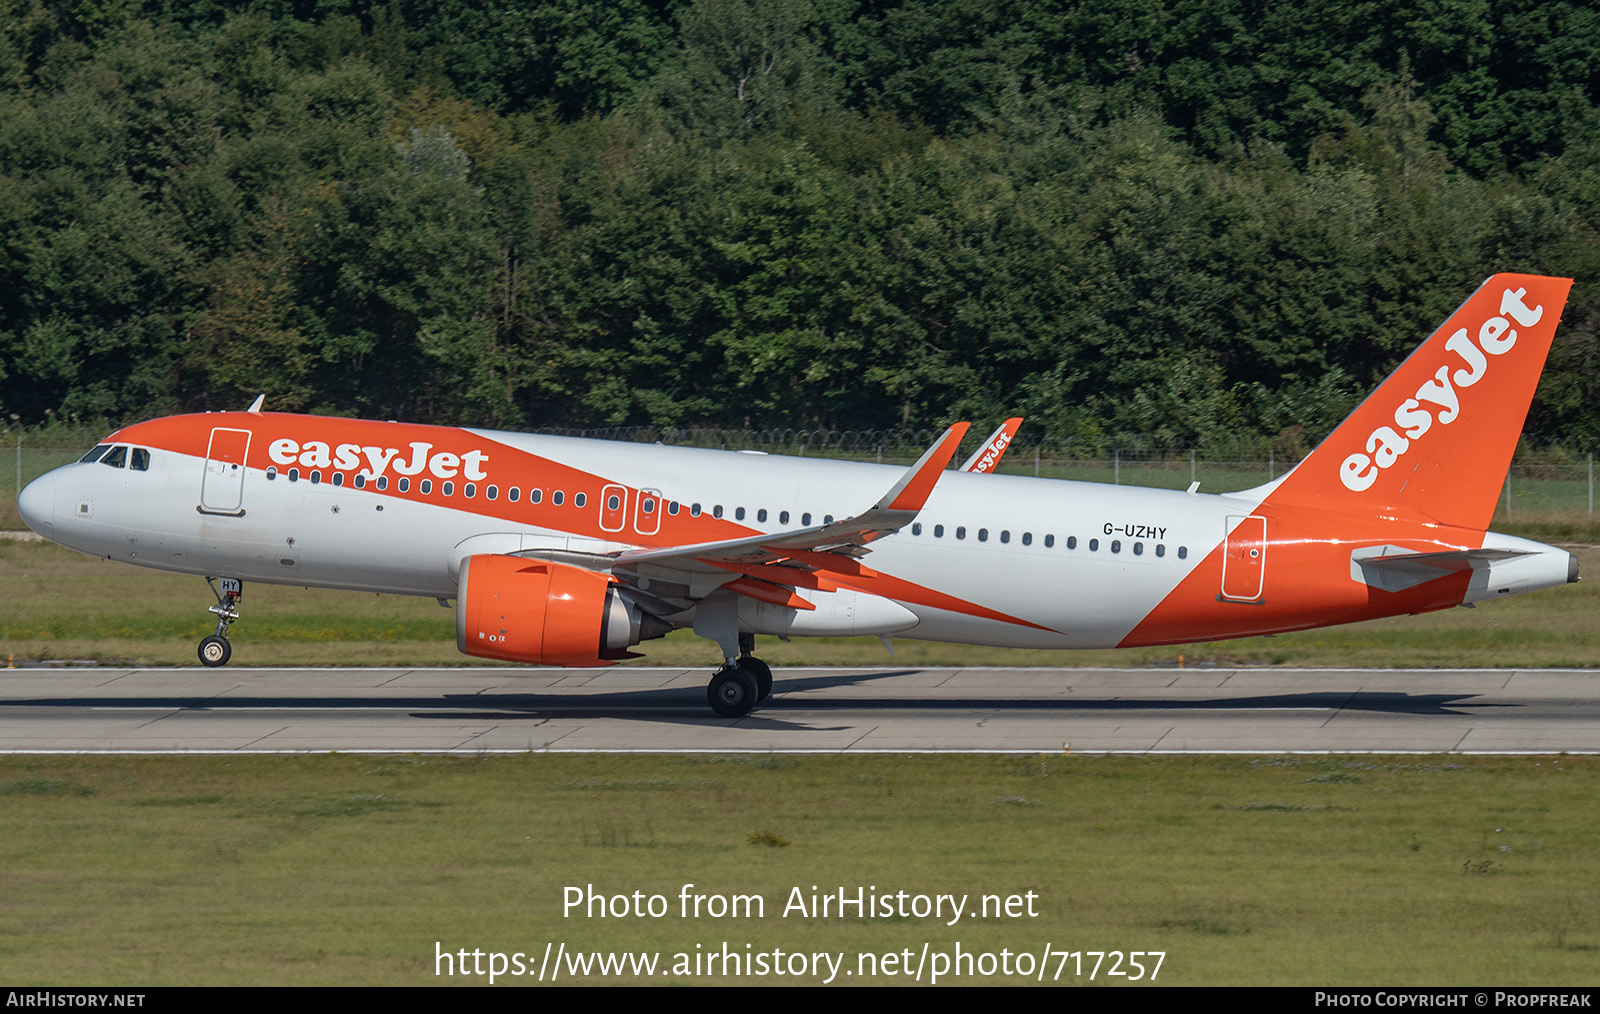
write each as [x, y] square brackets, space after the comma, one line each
[498, 710]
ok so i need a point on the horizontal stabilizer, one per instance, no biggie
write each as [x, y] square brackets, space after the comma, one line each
[1392, 569]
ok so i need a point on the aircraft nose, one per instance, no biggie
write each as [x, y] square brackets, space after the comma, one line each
[37, 504]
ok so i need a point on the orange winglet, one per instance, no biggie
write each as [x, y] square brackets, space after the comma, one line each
[987, 458]
[912, 491]
[762, 591]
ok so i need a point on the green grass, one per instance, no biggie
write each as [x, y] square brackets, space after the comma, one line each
[349, 870]
[57, 604]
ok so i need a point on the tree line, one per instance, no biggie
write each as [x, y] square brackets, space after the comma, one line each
[1182, 220]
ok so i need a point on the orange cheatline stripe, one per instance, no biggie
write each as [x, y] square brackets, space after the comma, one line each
[861, 578]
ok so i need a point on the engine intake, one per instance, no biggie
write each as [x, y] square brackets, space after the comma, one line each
[544, 613]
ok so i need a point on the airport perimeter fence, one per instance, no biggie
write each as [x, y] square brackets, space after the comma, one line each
[1548, 484]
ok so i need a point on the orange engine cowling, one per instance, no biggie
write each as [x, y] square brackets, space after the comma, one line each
[522, 610]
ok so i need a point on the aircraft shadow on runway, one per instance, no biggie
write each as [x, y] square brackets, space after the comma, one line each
[687, 705]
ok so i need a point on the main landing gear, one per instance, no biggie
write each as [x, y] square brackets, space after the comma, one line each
[215, 650]
[740, 685]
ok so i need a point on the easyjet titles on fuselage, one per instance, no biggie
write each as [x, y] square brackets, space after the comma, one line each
[347, 457]
[1385, 445]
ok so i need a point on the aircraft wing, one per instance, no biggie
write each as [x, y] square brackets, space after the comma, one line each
[849, 537]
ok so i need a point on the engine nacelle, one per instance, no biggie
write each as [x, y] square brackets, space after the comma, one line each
[522, 610]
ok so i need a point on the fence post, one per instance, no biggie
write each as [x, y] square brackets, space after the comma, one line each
[1116, 467]
[1271, 466]
[1036, 461]
[1591, 482]
[1191, 466]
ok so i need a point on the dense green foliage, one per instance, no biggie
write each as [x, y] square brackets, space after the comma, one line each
[1187, 220]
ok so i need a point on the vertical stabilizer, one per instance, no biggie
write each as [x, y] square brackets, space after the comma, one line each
[1433, 442]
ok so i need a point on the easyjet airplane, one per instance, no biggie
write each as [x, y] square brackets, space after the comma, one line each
[561, 551]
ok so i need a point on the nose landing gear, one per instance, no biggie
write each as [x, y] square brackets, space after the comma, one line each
[215, 649]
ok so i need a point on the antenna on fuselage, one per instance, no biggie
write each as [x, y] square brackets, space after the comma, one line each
[255, 406]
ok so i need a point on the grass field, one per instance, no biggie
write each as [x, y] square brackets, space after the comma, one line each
[351, 870]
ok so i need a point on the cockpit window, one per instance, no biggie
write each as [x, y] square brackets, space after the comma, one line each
[94, 453]
[141, 460]
[117, 457]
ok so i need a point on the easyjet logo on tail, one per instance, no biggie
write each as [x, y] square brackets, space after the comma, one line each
[1439, 399]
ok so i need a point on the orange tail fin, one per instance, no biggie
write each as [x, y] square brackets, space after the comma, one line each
[1434, 440]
